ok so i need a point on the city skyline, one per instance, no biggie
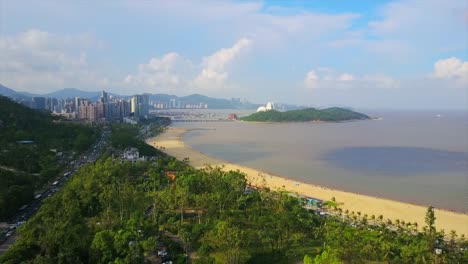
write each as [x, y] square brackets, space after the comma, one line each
[109, 108]
[385, 54]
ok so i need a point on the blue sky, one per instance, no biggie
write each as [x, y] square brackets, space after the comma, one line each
[376, 54]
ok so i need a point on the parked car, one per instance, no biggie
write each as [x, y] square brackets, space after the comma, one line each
[162, 252]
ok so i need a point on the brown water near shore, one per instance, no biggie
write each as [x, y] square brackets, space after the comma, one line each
[411, 157]
[390, 209]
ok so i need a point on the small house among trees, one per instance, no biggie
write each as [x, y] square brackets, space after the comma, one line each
[133, 155]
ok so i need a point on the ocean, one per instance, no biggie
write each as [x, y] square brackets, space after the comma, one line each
[419, 157]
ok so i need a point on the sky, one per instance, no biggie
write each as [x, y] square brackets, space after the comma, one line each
[367, 54]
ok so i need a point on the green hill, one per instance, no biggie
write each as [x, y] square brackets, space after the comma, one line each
[25, 168]
[333, 114]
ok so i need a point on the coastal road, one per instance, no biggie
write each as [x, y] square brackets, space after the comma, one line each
[93, 154]
[6, 245]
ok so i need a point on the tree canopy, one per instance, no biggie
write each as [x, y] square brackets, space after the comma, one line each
[121, 212]
[333, 114]
[35, 148]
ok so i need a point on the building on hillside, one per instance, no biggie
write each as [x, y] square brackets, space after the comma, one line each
[269, 106]
[132, 154]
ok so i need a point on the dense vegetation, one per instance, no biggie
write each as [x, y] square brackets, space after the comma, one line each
[333, 114]
[114, 212]
[26, 167]
[125, 136]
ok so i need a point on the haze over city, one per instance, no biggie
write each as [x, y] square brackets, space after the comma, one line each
[370, 54]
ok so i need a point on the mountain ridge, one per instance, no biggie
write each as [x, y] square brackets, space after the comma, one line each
[192, 99]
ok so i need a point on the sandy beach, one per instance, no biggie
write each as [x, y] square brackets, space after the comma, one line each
[390, 209]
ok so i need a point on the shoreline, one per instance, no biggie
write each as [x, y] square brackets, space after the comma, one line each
[173, 145]
[310, 121]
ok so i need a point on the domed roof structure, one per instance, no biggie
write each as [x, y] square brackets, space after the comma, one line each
[261, 109]
[269, 106]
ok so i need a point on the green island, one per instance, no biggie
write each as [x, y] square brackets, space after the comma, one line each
[119, 211]
[333, 114]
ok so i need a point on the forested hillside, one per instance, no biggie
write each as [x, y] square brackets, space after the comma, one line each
[34, 149]
[333, 114]
[123, 212]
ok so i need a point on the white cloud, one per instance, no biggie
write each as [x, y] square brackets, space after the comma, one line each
[346, 77]
[451, 68]
[404, 32]
[233, 19]
[161, 74]
[311, 79]
[173, 73]
[214, 74]
[327, 78]
[411, 19]
[37, 59]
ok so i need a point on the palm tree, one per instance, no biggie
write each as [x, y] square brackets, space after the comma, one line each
[424, 229]
[397, 222]
[364, 221]
[453, 237]
[380, 218]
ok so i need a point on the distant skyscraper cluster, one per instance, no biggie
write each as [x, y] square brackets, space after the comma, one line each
[107, 108]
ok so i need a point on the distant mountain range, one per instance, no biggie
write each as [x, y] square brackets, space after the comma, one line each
[8, 92]
[72, 93]
[194, 99]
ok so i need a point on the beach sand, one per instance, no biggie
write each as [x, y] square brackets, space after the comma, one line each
[447, 220]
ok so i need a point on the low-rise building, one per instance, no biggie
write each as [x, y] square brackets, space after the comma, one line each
[132, 154]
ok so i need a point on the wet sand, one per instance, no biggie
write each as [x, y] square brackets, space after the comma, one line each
[390, 209]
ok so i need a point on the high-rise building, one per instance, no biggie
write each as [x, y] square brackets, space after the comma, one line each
[104, 97]
[173, 103]
[100, 110]
[92, 112]
[39, 102]
[135, 104]
[145, 104]
[83, 109]
[124, 108]
[53, 103]
[77, 105]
